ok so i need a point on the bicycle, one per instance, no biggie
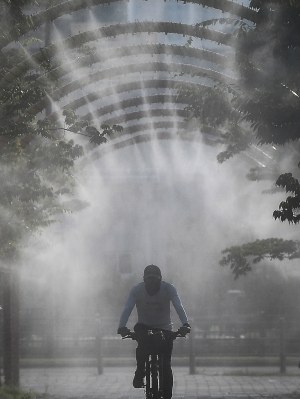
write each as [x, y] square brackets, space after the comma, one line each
[153, 343]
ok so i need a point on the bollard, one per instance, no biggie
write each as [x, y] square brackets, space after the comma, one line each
[282, 339]
[98, 344]
[99, 354]
[192, 360]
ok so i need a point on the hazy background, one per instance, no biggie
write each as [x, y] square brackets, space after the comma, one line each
[166, 202]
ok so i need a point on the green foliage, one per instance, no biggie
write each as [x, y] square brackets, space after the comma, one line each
[12, 392]
[264, 106]
[267, 58]
[289, 209]
[240, 258]
[95, 136]
[237, 141]
[37, 157]
[203, 103]
[13, 21]
[100, 137]
[237, 25]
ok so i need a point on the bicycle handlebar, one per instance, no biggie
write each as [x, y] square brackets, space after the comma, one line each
[174, 334]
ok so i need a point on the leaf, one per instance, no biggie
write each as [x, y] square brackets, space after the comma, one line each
[239, 257]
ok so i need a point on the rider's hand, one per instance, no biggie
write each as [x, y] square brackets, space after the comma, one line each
[123, 331]
[185, 329]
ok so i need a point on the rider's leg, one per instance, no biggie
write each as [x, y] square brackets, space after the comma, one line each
[138, 380]
[140, 358]
[167, 369]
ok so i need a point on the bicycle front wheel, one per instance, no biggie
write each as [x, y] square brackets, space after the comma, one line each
[154, 377]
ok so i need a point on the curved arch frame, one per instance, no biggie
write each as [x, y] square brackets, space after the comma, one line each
[113, 31]
[70, 6]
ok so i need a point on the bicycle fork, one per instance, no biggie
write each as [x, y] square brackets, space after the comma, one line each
[154, 377]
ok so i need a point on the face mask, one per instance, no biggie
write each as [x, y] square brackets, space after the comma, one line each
[152, 285]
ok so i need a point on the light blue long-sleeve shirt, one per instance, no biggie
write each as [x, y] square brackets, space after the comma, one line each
[153, 310]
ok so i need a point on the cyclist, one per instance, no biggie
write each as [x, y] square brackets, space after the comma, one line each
[152, 299]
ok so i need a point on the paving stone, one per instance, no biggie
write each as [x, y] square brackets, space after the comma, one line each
[116, 383]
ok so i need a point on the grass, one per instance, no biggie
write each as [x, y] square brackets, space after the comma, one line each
[58, 362]
[254, 373]
[12, 392]
[230, 361]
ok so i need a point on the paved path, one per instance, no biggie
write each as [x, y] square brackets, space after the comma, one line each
[207, 383]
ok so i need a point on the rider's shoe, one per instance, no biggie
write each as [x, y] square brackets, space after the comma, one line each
[138, 380]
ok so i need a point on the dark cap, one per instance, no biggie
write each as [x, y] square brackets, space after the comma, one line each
[152, 270]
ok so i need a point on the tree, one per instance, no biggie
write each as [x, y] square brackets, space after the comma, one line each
[264, 106]
[37, 164]
[240, 258]
[262, 109]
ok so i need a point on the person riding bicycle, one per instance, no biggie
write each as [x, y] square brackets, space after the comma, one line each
[152, 299]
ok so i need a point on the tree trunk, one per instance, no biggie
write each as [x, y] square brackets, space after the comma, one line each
[15, 329]
[7, 338]
[11, 338]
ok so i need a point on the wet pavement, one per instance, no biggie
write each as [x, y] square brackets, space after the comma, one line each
[116, 382]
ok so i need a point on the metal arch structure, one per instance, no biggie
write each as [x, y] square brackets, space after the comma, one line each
[114, 76]
[133, 51]
[70, 6]
[146, 137]
[111, 31]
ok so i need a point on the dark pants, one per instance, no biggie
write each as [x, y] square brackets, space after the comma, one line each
[141, 356]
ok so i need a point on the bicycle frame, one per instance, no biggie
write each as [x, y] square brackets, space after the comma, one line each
[154, 364]
[154, 376]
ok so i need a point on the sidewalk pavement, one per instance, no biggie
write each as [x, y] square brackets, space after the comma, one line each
[116, 382]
